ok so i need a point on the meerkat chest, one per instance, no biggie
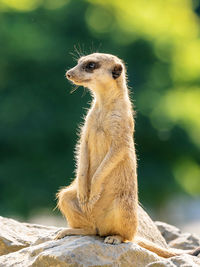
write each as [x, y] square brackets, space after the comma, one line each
[98, 136]
[98, 128]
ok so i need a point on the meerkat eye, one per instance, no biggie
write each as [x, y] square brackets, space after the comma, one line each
[90, 66]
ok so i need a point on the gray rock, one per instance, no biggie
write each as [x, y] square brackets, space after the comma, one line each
[15, 235]
[169, 232]
[176, 239]
[28, 245]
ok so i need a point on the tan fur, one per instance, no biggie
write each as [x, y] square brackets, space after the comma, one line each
[103, 198]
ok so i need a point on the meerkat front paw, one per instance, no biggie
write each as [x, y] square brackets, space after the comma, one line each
[93, 198]
[95, 192]
[91, 202]
[113, 239]
[82, 198]
[83, 201]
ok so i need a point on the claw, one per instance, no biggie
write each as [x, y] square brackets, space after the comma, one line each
[115, 240]
[64, 232]
[93, 199]
[60, 235]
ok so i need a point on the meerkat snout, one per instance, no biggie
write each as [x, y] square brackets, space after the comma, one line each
[68, 74]
[71, 74]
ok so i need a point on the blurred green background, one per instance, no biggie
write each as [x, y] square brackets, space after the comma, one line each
[159, 41]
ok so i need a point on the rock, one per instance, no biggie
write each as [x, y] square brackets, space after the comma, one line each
[15, 235]
[79, 251]
[29, 245]
[176, 239]
[169, 232]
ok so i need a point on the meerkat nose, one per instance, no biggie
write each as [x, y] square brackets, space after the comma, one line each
[69, 74]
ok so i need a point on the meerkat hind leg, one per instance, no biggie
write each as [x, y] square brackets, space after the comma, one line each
[78, 222]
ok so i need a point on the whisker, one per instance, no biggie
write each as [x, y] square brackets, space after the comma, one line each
[99, 47]
[74, 56]
[74, 89]
[92, 48]
[77, 51]
[83, 49]
[80, 50]
[84, 92]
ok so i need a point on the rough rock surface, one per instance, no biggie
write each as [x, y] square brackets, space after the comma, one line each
[15, 235]
[29, 245]
[176, 239]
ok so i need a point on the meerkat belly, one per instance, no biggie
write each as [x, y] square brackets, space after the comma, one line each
[98, 147]
[117, 200]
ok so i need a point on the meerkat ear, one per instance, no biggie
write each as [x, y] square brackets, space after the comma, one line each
[117, 70]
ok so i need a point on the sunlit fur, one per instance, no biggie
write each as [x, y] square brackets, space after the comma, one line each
[103, 198]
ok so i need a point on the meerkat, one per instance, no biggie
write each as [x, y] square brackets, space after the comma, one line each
[103, 198]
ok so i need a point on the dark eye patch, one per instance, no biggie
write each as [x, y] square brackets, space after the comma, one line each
[90, 66]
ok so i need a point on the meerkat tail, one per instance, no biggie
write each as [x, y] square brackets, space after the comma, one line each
[162, 252]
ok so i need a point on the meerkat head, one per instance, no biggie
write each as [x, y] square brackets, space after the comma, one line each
[97, 71]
